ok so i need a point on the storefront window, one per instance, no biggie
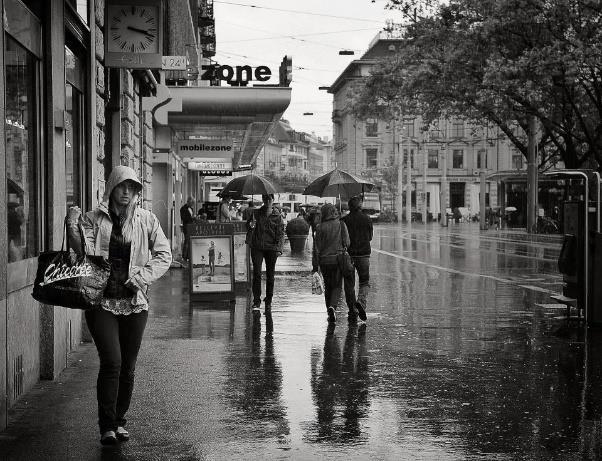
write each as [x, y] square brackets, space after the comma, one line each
[74, 128]
[21, 151]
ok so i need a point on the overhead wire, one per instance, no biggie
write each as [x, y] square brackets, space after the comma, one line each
[288, 35]
[299, 12]
[274, 62]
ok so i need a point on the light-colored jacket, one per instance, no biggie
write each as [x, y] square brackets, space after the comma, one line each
[150, 253]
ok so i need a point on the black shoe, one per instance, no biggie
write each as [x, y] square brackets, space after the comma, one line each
[332, 317]
[361, 312]
[122, 434]
[108, 438]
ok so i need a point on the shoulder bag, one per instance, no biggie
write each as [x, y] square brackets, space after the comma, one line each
[65, 279]
[344, 259]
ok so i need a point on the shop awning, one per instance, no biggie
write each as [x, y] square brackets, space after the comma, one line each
[244, 115]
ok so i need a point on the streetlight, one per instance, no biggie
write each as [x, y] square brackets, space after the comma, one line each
[346, 52]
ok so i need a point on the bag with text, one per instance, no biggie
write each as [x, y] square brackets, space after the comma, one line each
[65, 279]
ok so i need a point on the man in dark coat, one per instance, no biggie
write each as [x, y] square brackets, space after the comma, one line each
[360, 230]
[265, 238]
[186, 217]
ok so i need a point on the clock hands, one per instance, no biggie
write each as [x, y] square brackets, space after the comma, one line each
[141, 31]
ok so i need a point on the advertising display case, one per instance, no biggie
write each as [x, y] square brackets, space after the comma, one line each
[219, 260]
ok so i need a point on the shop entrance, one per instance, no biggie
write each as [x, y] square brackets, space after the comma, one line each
[456, 194]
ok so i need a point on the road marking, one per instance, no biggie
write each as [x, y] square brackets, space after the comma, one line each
[467, 274]
[498, 251]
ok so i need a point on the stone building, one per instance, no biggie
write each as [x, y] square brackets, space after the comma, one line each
[441, 165]
[75, 108]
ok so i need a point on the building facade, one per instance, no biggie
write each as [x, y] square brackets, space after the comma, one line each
[293, 159]
[437, 167]
[70, 117]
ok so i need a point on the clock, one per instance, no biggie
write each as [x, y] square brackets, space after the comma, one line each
[133, 28]
[133, 34]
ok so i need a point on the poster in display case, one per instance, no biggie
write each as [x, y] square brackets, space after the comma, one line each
[228, 268]
[211, 266]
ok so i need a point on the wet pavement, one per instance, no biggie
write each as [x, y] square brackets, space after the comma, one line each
[463, 357]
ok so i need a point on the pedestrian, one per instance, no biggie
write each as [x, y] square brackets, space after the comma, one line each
[135, 245]
[359, 226]
[212, 258]
[223, 211]
[266, 239]
[248, 212]
[186, 217]
[201, 217]
[331, 236]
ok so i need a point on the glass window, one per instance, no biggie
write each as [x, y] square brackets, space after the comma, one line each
[74, 129]
[21, 151]
[81, 6]
[408, 128]
[405, 157]
[371, 128]
[433, 158]
[458, 158]
[482, 159]
[23, 26]
[457, 129]
[371, 157]
[517, 161]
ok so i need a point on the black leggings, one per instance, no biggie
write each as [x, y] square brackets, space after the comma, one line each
[117, 339]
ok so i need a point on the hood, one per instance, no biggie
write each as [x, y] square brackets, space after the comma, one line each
[329, 212]
[119, 174]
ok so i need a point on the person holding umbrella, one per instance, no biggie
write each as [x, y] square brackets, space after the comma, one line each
[266, 238]
[360, 230]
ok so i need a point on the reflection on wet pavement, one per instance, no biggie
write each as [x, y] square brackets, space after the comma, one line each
[463, 357]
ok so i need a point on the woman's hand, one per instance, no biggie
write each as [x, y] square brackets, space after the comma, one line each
[73, 214]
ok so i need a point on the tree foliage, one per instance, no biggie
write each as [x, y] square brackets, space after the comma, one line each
[501, 61]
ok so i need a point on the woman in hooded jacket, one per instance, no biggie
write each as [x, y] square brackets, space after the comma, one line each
[331, 235]
[132, 240]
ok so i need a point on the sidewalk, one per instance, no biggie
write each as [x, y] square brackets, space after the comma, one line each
[209, 386]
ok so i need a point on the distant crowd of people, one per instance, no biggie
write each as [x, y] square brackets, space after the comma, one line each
[332, 234]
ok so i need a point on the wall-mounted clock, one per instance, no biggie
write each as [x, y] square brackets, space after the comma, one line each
[133, 33]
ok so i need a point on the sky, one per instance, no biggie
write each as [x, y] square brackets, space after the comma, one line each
[262, 32]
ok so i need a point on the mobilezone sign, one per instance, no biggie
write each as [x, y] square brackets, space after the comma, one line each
[210, 158]
[205, 149]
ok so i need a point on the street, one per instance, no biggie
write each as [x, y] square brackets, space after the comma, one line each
[463, 357]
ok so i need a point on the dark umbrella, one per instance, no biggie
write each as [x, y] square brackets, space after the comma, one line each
[251, 184]
[338, 183]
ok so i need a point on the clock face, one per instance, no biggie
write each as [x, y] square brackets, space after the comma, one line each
[133, 29]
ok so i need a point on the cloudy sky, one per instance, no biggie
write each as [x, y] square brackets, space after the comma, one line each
[261, 32]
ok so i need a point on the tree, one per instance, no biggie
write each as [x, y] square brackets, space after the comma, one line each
[502, 61]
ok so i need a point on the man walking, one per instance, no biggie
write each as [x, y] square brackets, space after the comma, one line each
[360, 230]
[186, 217]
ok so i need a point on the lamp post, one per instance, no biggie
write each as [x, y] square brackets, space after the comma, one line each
[443, 190]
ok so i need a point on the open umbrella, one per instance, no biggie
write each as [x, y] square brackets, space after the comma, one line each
[338, 183]
[250, 184]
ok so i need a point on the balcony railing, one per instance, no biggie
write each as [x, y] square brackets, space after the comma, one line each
[206, 17]
[207, 35]
[208, 49]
